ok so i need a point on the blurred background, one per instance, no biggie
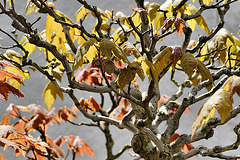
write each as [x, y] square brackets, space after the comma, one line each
[34, 87]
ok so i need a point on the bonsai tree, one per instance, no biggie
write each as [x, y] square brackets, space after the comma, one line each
[111, 58]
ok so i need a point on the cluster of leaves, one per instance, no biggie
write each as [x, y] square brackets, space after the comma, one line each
[5, 87]
[106, 59]
[19, 137]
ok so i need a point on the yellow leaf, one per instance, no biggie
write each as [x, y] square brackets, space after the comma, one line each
[11, 54]
[190, 10]
[17, 71]
[219, 42]
[159, 20]
[29, 47]
[167, 6]
[188, 64]
[222, 101]
[81, 51]
[203, 70]
[129, 48]
[152, 11]
[118, 35]
[232, 85]
[207, 2]
[91, 54]
[54, 31]
[81, 12]
[150, 70]
[162, 59]
[50, 94]
[108, 48]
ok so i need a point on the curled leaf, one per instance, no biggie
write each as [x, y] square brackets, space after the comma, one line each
[220, 100]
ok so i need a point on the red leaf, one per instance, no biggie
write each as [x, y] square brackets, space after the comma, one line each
[174, 137]
[59, 141]
[176, 55]
[118, 63]
[167, 23]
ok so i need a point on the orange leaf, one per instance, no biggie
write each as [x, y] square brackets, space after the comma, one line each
[5, 120]
[13, 110]
[20, 125]
[94, 105]
[2, 157]
[187, 147]
[179, 24]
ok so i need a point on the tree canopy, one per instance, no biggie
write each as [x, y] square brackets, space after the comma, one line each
[120, 60]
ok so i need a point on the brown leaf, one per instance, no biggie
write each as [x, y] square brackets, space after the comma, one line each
[94, 105]
[125, 77]
[59, 141]
[188, 63]
[13, 110]
[107, 65]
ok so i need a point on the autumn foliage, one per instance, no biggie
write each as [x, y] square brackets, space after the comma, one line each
[113, 59]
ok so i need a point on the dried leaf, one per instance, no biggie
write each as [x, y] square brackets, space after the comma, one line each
[220, 100]
[188, 64]
[107, 65]
[129, 48]
[232, 85]
[5, 120]
[94, 105]
[167, 23]
[176, 55]
[125, 77]
[81, 51]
